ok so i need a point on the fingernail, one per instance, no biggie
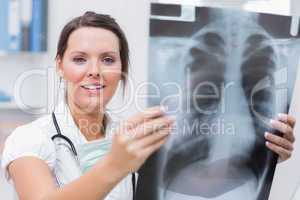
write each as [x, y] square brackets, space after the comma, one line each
[172, 117]
[266, 134]
[272, 121]
[164, 108]
[267, 143]
[282, 116]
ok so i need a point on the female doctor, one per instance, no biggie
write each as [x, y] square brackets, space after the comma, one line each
[71, 154]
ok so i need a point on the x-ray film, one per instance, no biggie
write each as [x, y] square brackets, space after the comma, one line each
[224, 73]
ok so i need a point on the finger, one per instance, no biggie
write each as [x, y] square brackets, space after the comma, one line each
[283, 128]
[149, 140]
[146, 115]
[283, 153]
[152, 126]
[153, 148]
[287, 119]
[280, 141]
[144, 129]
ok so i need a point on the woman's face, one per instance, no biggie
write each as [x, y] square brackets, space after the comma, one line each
[92, 68]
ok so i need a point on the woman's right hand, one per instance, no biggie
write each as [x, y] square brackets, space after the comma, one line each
[138, 138]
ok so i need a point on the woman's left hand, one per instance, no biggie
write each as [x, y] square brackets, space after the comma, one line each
[283, 146]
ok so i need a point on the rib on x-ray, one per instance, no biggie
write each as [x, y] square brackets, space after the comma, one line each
[224, 75]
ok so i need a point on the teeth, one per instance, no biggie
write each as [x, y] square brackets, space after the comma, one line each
[93, 87]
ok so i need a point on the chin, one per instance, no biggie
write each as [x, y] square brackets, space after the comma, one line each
[91, 104]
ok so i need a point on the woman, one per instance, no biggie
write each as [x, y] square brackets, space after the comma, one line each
[92, 57]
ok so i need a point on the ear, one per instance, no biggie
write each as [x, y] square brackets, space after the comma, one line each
[59, 67]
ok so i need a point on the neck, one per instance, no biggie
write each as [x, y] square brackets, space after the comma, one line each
[90, 124]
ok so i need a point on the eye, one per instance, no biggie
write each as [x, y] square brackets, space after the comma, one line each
[108, 60]
[79, 60]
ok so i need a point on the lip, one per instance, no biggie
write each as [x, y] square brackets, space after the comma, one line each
[93, 88]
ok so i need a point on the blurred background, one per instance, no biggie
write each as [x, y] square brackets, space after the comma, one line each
[29, 32]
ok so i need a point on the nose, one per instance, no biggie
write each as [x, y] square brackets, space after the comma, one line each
[94, 70]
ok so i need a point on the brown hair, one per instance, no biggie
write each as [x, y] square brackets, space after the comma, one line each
[92, 19]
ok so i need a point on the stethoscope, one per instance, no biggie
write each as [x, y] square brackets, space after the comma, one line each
[74, 152]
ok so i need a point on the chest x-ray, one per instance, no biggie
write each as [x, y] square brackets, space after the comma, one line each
[224, 74]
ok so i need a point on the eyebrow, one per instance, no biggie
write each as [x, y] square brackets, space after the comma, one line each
[78, 52]
[81, 52]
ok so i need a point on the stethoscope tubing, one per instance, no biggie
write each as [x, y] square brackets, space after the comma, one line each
[61, 136]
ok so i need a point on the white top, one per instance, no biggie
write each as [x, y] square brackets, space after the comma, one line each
[34, 139]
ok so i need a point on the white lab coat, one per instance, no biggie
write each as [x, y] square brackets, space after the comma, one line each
[34, 139]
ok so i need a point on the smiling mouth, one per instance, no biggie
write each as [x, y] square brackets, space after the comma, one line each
[93, 87]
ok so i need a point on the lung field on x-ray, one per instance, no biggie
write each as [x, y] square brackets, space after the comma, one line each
[229, 70]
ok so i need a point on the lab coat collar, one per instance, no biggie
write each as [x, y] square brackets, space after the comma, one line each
[68, 126]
